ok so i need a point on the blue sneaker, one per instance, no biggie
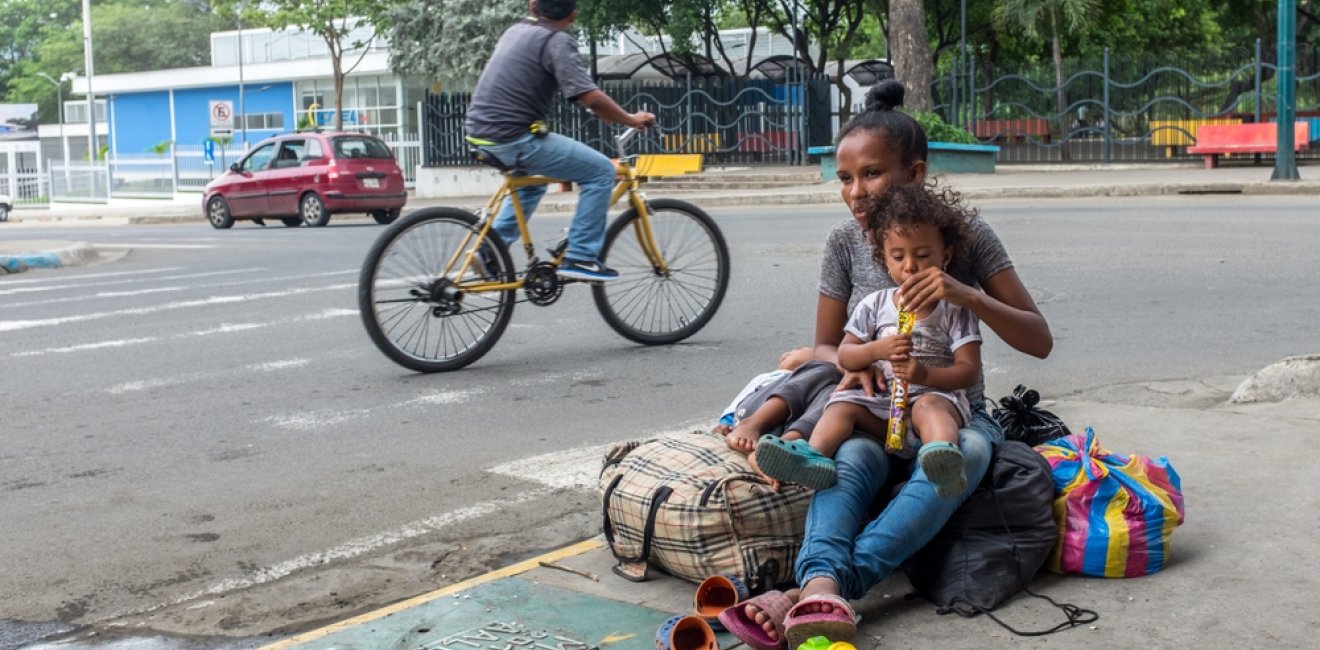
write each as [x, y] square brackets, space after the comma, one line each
[590, 271]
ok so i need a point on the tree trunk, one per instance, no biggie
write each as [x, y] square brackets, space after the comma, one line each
[911, 52]
[337, 62]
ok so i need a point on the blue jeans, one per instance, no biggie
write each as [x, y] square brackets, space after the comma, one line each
[566, 159]
[858, 554]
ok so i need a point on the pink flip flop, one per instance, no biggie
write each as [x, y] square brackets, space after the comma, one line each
[834, 626]
[775, 605]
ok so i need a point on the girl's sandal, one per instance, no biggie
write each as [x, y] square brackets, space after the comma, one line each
[685, 633]
[716, 594]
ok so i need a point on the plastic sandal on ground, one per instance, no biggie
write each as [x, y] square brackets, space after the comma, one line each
[775, 605]
[794, 461]
[833, 625]
[943, 464]
[685, 633]
[716, 594]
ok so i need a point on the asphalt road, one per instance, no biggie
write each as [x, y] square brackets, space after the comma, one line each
[200, 438]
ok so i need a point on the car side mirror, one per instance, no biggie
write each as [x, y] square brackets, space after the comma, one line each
[233, 167]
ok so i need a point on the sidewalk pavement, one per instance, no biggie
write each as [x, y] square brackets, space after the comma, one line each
[1008, 182]
[1243, 572]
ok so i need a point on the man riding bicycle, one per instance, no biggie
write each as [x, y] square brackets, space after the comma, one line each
[506, 119]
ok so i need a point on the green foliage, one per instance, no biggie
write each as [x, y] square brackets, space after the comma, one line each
[448, 40]
[161, 148]
[937, 130]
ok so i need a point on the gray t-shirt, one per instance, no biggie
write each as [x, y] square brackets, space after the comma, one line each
[849, 273]
[531, 61]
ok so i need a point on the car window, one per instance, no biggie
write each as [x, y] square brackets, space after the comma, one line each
[259, 159]
[291, 153]
[314, 149]
[360, 146]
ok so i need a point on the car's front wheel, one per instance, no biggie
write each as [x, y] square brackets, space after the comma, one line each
[385, 217]
[313, 210]
[4, 212]
[217, 212]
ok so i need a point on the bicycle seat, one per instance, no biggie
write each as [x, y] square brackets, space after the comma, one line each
[485, 158]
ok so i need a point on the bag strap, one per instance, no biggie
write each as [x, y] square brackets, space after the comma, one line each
[1075, 615]
[648, 533]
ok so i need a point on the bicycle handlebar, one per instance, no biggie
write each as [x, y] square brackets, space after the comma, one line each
[622, 139]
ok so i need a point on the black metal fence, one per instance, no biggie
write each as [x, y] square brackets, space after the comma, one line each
[729, 120]
[1123, 108]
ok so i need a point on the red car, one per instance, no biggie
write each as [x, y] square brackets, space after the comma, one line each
[306, 177]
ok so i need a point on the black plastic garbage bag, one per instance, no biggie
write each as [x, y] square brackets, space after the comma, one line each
[1022, 420]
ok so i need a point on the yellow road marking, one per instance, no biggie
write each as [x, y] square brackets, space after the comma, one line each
[511, 570]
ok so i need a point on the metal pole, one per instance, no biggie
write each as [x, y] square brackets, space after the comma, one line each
[1105, 114]
[1260, 98]
[962, 66]
[87, 63]
[242, 110]
[1285, 161]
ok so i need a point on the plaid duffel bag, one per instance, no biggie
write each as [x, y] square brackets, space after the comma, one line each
[694, 508]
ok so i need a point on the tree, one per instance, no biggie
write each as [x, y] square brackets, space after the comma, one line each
[909, 47]
[1052, 17]
[448, 41]
[347, 26]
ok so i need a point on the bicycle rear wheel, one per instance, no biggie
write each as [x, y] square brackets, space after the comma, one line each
[652, 308]
[410, 307]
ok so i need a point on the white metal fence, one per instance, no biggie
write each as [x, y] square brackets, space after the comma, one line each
[184, 169]
[79, 182]
[21, 176]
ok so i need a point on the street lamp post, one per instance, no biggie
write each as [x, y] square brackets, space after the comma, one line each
[87, 63]
[59, 105]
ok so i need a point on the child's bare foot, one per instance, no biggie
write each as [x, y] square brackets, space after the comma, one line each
[743, 437]
[751, 460]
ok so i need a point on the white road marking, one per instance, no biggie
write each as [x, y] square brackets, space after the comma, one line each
[141, 245]
[313, 420]
[577, 468]
[279, 365]
[66, 278]
[224, 328]
[12, 325]
[356, 547]
[117, 294]
[84, 347]
[148, 384]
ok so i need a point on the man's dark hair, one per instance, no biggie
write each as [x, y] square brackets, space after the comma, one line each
[556, 9]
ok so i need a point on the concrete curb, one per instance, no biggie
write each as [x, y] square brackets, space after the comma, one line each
[47, 255]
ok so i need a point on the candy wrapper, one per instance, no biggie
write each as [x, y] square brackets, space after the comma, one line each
[898, 389]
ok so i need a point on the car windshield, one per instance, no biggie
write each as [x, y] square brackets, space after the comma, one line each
[358, 146]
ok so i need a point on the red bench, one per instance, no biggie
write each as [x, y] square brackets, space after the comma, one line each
[1212, 140]
[1017, 130]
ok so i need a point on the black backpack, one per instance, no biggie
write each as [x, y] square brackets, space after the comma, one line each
[993, 545]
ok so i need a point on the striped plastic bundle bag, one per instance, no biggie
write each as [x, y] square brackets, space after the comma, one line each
[1116, 513]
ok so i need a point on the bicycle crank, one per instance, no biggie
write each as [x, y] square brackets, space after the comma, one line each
[541, 284]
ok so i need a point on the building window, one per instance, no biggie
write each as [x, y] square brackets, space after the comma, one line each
[268, 121]
[75, 112]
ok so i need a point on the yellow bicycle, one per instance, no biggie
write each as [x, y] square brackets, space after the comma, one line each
[438, 287]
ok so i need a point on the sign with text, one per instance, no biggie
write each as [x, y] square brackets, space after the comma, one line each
[222, 117]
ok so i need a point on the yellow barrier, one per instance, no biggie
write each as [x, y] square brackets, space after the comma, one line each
[668, 164]
[696, 143]
[1166, 133]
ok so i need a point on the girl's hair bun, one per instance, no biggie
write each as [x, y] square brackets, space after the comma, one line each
[885, 96]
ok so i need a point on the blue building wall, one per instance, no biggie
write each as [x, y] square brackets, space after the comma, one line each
[142, 120]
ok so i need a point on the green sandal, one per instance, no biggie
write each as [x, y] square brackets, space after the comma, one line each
[943, 464]
[794, 461]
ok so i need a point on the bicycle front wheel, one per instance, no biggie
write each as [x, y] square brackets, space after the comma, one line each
[654, 308]
[416, 313]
